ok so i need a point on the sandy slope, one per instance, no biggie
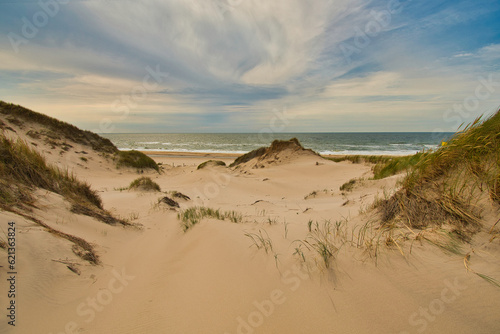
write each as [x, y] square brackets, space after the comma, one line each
[212, 279]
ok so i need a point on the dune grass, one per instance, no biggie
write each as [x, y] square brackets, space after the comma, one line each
[384, 166]
[475, 149]
[145, 184]
[136, 159]
[396, 165]
[22, 169]
[194, 215]
[359, 159]
[101, 215]
[261, 241]
[447, 184]
[348, 186]
[325, 239]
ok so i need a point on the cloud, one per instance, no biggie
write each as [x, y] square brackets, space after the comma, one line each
[252, 42]
[235, 61]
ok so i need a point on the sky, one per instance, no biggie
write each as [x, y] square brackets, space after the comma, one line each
[165, 66]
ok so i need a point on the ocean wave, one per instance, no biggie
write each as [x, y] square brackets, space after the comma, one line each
[336, 144]
[373, 152]
[182, 150]
[343, 152]
[360, 146]
[404, 145]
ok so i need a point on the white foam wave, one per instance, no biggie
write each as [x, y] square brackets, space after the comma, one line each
[373, 152]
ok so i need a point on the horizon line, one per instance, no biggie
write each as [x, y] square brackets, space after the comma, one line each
[256, 133]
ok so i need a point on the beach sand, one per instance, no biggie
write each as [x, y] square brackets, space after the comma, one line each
[260, 275]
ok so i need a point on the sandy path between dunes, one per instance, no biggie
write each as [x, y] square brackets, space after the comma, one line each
[212, 280]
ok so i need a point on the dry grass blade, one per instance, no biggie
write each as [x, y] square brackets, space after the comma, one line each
[493, 227]
[487, 278]
[101, 215]
[449, 245]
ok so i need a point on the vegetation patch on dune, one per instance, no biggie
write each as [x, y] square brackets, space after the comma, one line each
[180, 195]
[397, 165]
[384, 166]
[315, 193]
[136, 159]
[358, 159]
[19, 115]
[4, 127]
[194, 215]
[446, 186]
[348, 186]
[211, 163]
[248, 156]
[168, 201]
[324, 239]
[101, 215]
[145, 184]
[22, 169]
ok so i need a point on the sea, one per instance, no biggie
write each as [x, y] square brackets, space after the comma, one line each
[353, 143]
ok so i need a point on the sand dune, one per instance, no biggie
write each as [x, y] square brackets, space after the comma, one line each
[263, 274]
